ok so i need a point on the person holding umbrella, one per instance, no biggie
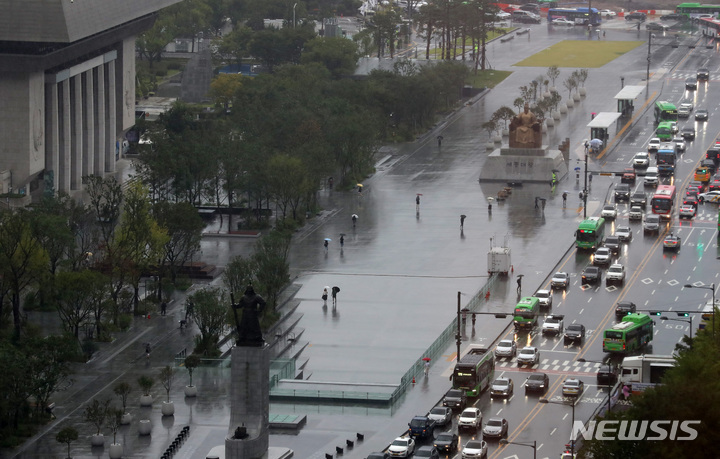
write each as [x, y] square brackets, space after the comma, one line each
[342, 240]
[335, 291]
[354, 219]
[326, 243]
[325, 295]
[427, 365]
[462, 220]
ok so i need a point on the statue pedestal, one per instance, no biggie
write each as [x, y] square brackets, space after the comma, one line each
[523, 165]
[249, 402]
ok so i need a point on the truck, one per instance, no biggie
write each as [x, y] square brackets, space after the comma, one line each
[643, 371]
[499, 260]
[421, 427]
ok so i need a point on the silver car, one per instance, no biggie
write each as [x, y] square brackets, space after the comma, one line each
[506, 348]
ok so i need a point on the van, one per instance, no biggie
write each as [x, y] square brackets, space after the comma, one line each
[651, 176]
[525, 17]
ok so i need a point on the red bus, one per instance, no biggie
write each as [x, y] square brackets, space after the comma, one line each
[663, 201]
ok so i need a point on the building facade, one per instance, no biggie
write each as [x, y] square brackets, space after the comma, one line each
[67, 87]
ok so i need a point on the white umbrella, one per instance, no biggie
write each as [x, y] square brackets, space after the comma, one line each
[354, 216]
[596, 143]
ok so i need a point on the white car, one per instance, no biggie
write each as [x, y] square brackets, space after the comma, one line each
[528, 356]
[562, 22]
[560, 280]
[470, 418]
[603, 256]
[615, 274]
[687, 211]
[641, 159]
[475, 449]
[680, 144]
[654, 144]
[609, 211]
[607, 14]
[402, 447]
[506, 348]
[553, 324]
[687, 103]
[710, 196]
[624, 233]
[683, 112]
[636, 213]
[544, 297]
[502, 15]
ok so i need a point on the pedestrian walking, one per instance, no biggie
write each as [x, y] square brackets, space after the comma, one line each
[626, 391]
[325, 296]
[331, 181]
[163, 308]
[417, 203]
[439, 139]
[603, 34]
[325, 244]
[189, 309]
[490, 208]
[587, 146]
[564, 196]
[342, 240]
[335, 291]
[147, 351]
[462, 221]
[519, 285]
[354, 219]
[427, 367]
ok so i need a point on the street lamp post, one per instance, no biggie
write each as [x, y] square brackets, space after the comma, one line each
[687, 321]
[462, 317]
[572, 426]
[532, 445]
[294, 15]
[707, 287]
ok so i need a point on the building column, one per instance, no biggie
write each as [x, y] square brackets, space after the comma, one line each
[88, 155]
[77, 133]
[100, 124]
[52, 135]
[111, 126]
[65, 140]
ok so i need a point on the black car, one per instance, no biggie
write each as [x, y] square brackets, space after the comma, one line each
[710, 164]
[656, 26]
[591, 275]
[672, 17]
[427, 451]
[636, 16]
[622, 192]
[607, 375]
[688, 132]
[455, 399]
[574, 333]
[638, 198]
[691, 83]
[537, 382]
[446, 442]
[701, 115]
[624, 308]
[703, 74]
[613, 243]
[378, 456]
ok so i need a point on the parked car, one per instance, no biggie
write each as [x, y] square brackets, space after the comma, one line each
[641, 159]
[574, 333]
[505, 348]
[591, 275]
[687, 211]
[502, 387]
[475, 449]
[701, 115]
[446, 442]
[636, 16]
[691, 83]
[615, 274]
[624, 233]
[624, 308]
[609, 211]
[442, 415]
[671, 242]
[560, 280]
[537, 382]
[573, 387]
[495, 428]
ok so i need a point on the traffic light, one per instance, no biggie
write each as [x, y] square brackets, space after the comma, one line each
[655, 313]
[683, 314]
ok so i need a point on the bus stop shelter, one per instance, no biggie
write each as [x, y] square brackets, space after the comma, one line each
[600, 124]
[626, 99]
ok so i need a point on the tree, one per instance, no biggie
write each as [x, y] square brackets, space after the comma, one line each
[123, 390]
[145, 383]
[210, 314]
[77, 298]
[184, 227]
[48, 360]
[386, 23]
[97, 413]
[553, 73]
[224, 86]
[67, 435]
[114, 417]
[570, 83]
[273, 270]
[489, 127]
[339, 55]
[167, 374]
[190, 18]
[152, 43]
[286, 181]
[504, 114]
[191, 362]
[14, 378]
[518, 103]
[581, 76]
[238, 274]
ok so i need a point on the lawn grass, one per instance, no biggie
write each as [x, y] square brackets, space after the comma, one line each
[579, 53]
[486, 78]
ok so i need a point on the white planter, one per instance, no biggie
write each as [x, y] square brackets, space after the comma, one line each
[570, 103]
[168, 408]
[116, 451]
[553, 89]
[556, 115]
[546, 94]
[506, 132]
[563, 109]
[489, 146]
[583, 92]
[497, 138]
[550, 122]
[146, 400]
[543, 128]
[97, 440]
[126, 419]
[144, 428]
[576, 97]
[190, 391]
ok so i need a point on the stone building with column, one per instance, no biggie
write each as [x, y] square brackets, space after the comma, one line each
[67, 90]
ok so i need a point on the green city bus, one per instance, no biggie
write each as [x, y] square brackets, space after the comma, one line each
[634, 332]
[694, 10]
[526, 312]
[474, 371]
[664, 131]
[590, 233]
[665, 111]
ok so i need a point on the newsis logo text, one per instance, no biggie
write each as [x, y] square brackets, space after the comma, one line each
[636, 430]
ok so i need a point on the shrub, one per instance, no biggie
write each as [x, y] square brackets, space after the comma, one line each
[161, 72]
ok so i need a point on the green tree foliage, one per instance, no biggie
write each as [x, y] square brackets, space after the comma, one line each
[151, 44]
[272, 267]
[238, 274]
[224, 86]
[211, 315]
[184, 228]
[96, 413]
[67, 435]
[385, 27]
[338, 55]
[274, 47]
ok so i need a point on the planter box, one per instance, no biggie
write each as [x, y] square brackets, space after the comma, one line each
[97, 440]
[126, 419]
[146, 400]
[116, 451]
[144, 428]
[168, 408]
[190, 391]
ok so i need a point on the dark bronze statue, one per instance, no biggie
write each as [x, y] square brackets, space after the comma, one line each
[248, 327]
[525, 130]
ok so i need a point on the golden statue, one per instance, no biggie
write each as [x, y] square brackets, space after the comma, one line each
[525, 130]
